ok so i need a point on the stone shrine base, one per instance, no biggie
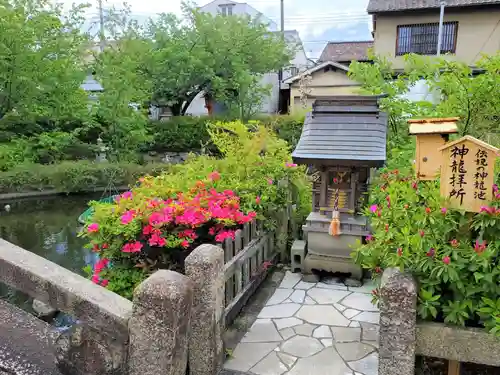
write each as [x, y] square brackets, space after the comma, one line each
[311, 328]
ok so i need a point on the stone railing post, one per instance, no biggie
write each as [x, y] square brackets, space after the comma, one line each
[160, 324]
[205, 268]
[398, 304]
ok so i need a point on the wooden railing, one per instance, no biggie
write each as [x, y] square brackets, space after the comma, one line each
[247, 258]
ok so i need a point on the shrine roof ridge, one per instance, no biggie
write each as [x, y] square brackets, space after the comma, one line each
[471, 139]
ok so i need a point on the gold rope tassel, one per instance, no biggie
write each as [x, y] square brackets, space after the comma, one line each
[334, 229]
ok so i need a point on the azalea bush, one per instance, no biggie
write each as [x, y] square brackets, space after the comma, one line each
[162, 219]
[453, 255]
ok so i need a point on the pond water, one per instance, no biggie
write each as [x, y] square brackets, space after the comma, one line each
[47, 227]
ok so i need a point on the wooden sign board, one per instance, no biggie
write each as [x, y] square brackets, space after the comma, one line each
[467, 173]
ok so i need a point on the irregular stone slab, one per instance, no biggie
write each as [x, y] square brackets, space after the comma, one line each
[331, 286]
[301, 346]
[367, 287]
[262, 332]
[339, 307]
[286, 333]
[286, 359]
[350, 313]
[304, 329]
[368, 317]
[331, 280]
[345, 334]
[246, 355]
[327, 342]
[322, 315]
[359, 301]
[354, 324]
[322, 332]
[279, 296]
[305, 286]
[309, 301]
[327, 296]
[287, 322]
[290, 280]
[328, 361]
[367, 365]
[353, 351]
[284, 310]
[370, 331]
[372, 343]
[298, 296]
[270, 365]
[310, 278]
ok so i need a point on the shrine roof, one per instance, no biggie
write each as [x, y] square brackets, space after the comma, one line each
[343, 130]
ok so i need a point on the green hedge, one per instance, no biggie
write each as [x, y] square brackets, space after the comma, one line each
[73, 177]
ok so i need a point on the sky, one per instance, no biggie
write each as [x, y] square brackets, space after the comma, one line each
[317, 21]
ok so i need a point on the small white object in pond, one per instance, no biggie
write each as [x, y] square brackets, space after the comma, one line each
[7, 207]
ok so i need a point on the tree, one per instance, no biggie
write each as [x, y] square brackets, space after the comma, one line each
[41, 66]
[222, 55]
[474, 98]
[121, 111]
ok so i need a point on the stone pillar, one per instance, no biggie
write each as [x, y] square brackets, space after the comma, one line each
[205, 268]
[398, 304]
[160, 324]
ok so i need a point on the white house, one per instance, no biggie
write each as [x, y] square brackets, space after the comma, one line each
[271, 104]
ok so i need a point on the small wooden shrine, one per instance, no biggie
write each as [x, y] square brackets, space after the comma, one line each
[431, 134]
[342, 139]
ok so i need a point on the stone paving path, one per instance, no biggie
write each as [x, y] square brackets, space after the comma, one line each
[311, 329]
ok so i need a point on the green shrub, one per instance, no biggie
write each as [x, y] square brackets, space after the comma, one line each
[288, 127]
[72, 177]
[156, 224]
[453, 255]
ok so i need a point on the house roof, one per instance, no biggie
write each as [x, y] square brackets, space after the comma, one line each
[343, 130]
[90, 84]
[314, 69]
[346, 51]
[378, 6]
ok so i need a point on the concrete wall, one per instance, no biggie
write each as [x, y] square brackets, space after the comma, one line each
[323, 83]
[478, 32]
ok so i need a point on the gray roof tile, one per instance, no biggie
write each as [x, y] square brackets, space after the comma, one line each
[377, 6]
[344, 130]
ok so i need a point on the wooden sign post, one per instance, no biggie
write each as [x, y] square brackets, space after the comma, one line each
[467, 173]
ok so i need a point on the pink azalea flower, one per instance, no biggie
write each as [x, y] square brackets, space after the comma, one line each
[101, 265]
[214, 176]
[225, 234]
[104, 283]
[444, 210]
[185, 244]
[369, 238]
[93, 228]
[373, 208]
[270, 181]
[157, 240]
[257, 200]
[446, 260]
[127, 217]
[132, 247]
[95, 279]
[290, 165]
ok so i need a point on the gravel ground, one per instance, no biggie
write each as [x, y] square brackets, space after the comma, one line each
[437, 366]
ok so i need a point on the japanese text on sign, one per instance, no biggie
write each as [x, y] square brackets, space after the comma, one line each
[458, 172]
[481, 174]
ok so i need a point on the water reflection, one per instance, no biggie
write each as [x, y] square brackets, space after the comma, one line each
[47, 227]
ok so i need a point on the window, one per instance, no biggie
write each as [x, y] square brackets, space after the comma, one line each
[423, 38]
[226, 10]
[294, 71]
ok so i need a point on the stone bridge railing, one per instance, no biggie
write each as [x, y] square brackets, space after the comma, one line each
[170, 313]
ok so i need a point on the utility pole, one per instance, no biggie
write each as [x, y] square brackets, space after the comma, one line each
[440, 30]
[102, 36]
[282, 28]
